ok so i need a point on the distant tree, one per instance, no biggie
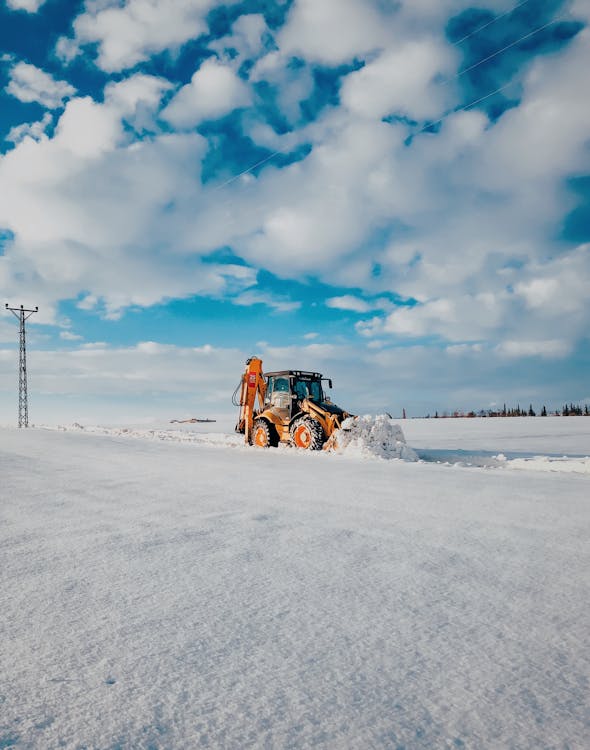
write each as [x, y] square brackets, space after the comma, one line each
[504, 411]
[565, 411]
[543, 412]
[403, 413]
[436, 414]
[531, 412]
[586, 411]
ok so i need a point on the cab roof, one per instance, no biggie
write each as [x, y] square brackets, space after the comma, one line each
[295, 373]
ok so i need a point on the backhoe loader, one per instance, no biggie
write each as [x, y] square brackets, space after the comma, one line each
[287, 406]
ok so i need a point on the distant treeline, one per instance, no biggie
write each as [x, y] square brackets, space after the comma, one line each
[568, 410]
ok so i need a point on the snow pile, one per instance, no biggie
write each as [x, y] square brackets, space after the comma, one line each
[373, 436]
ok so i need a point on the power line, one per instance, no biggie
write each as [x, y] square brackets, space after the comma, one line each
[23, 406]
[508, 46]
[253, 167]
[489, 23]
[481, 62]
[460, 109]
[443, 82]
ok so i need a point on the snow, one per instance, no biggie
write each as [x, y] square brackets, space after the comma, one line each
[486, 443]
[543, 435]
[373, 436]
[556, 444]
[177, 589]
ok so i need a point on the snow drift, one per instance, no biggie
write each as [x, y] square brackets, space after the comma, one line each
[373, 436]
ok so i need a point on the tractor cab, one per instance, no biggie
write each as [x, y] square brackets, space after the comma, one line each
[286, 390]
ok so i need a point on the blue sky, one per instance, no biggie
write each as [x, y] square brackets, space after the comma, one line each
[394, 193]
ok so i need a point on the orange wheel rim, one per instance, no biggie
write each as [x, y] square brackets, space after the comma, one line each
[302, 437]
[260, 438]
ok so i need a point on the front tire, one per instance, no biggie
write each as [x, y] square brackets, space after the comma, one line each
[263, 435]
[307, 434]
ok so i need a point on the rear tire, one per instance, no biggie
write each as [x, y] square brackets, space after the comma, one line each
[263, 435]
[307, 434]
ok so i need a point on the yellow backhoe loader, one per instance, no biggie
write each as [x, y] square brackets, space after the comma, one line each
[287, 406]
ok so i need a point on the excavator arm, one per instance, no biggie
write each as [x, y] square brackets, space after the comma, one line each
[252, 387]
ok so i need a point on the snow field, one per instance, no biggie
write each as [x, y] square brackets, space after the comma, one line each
[510, 443]
[159, 594]
[540, 435]
[547, 444]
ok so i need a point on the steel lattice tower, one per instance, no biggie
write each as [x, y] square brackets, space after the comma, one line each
[23, 406]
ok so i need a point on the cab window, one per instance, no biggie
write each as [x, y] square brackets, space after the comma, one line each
[275, 385]
[308, 389]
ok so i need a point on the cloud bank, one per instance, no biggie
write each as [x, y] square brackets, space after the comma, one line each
[426, 207]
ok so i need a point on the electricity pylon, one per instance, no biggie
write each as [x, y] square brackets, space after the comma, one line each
[23, 407]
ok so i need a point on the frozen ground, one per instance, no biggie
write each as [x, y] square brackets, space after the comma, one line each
[189, 592]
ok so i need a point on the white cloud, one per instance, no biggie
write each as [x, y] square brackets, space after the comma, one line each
[421, 320]
[95, 210]
[30, 6]
[301, 219]
[214, 91]
[332, 31]
[137, 90]
[460, 349]
[28, 83]
[549, 349]
[460, 220]
[35, 130]
[401, 81]
[87, 129]
[279, 304]
[245, 42]
[292, 86]
[136, 100]
[69, 336]
[580, 9]
[94, 345]
[8, 332]
[88, 302]
[464, 317]
[546, 136]
[559, 287]
[357, 304]
[538, 292]
[129, 33]
[349, 302]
